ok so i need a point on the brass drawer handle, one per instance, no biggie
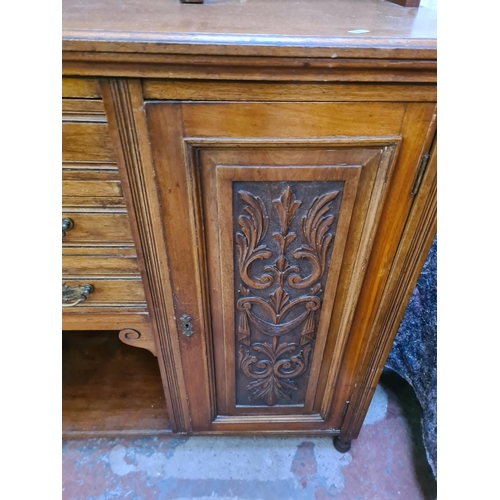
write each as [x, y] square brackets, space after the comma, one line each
[67, 225]
[73, 296]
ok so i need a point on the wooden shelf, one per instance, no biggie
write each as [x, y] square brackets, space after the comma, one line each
[109, 388]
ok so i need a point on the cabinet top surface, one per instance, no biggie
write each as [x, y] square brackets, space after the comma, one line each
[137, 25]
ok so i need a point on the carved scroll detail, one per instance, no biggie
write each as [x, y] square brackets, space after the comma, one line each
[314, 227]
[273, 377]
[253, 229]
[276, 365]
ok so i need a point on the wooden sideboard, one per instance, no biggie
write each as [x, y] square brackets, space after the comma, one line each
[249, 192]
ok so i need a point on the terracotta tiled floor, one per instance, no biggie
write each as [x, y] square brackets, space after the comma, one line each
[386, 461]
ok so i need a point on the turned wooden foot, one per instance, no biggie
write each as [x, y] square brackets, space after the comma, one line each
[343, 446]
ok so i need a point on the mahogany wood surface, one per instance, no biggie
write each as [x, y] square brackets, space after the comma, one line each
[241, 177]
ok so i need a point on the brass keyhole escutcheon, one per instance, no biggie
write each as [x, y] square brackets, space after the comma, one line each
[186, 325]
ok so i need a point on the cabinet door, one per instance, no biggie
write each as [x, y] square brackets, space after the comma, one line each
[269, 213]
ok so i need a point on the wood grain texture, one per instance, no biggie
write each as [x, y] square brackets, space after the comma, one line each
[124, 109]
[85, 88]
[251, 68]
[86, 142]
[99, 261]
[209, 90]
[90, 204]
[93, 184]
[110, 292]
[105, 318]
[414, 245]
[83, 110]
[108, 226]
[251, 120]
[92, 188]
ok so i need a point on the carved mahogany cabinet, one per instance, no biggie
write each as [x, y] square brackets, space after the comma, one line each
[249, 192]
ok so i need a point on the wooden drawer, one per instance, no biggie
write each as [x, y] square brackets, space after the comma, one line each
[80, 87]
[97, 227]
[88, 188]
[86, 142]
[78, 261]
[109, 292]
[83, 110]
[91, 184]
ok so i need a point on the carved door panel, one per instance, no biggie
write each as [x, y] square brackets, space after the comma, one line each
[269, 212]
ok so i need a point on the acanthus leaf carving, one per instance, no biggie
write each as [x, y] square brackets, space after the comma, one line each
[286, 206]
[253, 229]
[314, 228]
[272, 377]
[276, 366]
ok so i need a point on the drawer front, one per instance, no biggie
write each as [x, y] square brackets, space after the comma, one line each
[92, 188]
[109, 292]
[97, 243]
[80, 87]
[86, 142]
[90, 228]
[91, 184]
[99, 261]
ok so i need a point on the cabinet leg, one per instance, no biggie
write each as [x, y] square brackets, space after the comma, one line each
[341, 445]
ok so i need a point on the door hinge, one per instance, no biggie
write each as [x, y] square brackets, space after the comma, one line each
[420, 174]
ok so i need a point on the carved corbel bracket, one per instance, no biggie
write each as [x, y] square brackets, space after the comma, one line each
[136, 339]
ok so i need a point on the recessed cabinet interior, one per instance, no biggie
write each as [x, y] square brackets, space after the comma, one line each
[253, 213]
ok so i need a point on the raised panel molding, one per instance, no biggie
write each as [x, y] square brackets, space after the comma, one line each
[260, 225]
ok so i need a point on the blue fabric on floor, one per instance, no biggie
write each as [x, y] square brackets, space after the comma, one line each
[414, 352]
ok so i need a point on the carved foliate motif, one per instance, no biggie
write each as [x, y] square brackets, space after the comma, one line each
[276, 328]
